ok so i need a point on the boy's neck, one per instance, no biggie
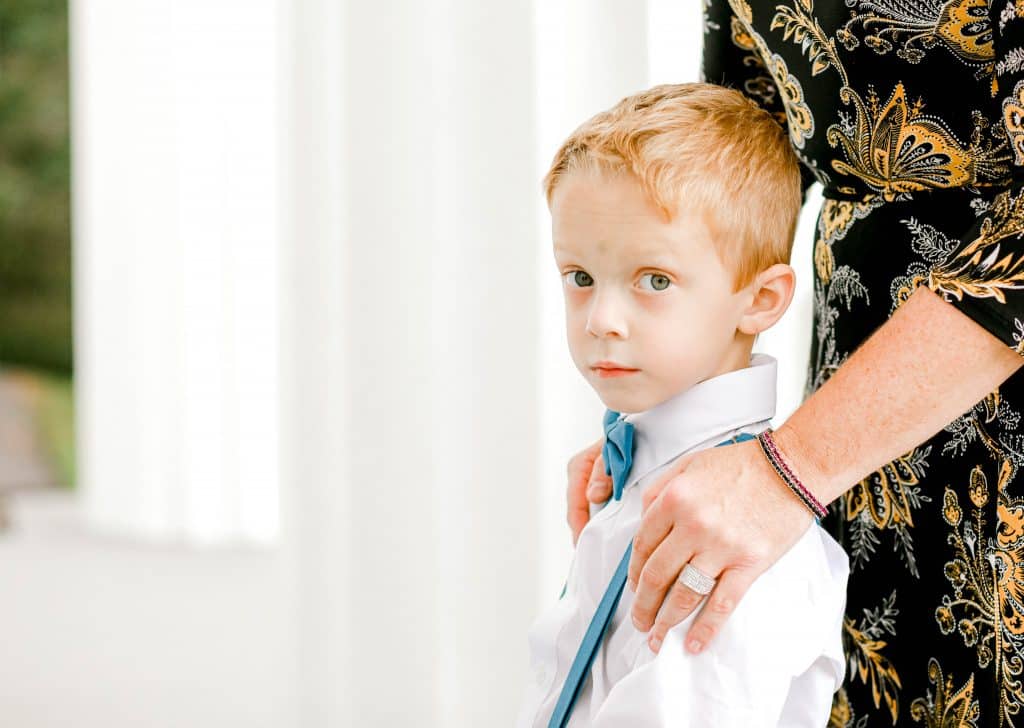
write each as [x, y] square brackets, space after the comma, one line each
[736, 359]
[706, 410]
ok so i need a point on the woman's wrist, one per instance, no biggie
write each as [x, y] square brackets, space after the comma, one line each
[784, 470]
[917, 372]
[800, 459]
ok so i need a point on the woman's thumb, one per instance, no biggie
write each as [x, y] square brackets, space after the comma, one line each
[599, 488]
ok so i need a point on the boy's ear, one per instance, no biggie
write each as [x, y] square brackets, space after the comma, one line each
[771, 293]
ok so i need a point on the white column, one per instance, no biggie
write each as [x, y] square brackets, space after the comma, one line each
[411, 327]
[319, 488]
[175, 174]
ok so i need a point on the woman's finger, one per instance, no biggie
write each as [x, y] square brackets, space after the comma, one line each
[578, 512]
[579, 515]
[680, 602]
[655, 526]
[652, 491]
[599, 488]
[578, 475]
[659, 572]
[732, 585]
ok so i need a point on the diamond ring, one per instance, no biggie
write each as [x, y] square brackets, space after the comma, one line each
[697, 580]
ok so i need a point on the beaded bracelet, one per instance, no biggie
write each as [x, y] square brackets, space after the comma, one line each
[771, 451]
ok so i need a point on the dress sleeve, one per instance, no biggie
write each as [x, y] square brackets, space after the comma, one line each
[730, 57]
[984, 277]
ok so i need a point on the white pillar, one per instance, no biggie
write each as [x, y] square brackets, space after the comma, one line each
[317, 360]
[410, 333]
[175, 174]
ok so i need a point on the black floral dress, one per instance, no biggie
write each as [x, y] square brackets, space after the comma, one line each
[910, 113]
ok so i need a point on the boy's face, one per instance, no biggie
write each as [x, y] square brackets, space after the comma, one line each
[649, 307]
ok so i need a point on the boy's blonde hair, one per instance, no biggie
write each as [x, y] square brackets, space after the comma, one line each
[710, 146]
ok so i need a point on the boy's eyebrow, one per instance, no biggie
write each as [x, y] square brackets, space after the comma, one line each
[563, 250]
[659, 260]
[652, 259]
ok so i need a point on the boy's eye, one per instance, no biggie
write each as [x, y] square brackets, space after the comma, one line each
[659, 282]
[579, 278]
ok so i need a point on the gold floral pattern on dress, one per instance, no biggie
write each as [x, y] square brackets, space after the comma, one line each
[864, 647]
[949, 707]
[1013, 120]
[987, 577]
[974, 425]
[842, 287]
[824, 261]
[757, 82]
[897, 149]
[741, 37]
[797, 23]
[760, 85]
[799, 120]
[882, 495]
[838, 216]
[961, 26]
[835, 220]
[833, 284]
[886, 501]
[977, 270]
[841, 715]
[894, 147]
[933, 247]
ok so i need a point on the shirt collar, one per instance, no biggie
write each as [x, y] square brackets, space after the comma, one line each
[708, 409]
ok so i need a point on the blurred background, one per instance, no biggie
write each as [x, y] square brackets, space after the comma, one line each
[285, 400]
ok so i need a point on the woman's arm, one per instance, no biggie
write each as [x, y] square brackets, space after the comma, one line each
[727, 512]
[925, 367]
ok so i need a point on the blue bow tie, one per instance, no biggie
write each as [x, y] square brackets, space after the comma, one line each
[617, 451]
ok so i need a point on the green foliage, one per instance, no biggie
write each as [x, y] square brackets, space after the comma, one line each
[35, 235]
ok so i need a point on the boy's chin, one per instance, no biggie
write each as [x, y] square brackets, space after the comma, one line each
[629, 400]
[626, 402]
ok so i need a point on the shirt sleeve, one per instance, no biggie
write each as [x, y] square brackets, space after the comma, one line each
[984, 276]
[731, 58]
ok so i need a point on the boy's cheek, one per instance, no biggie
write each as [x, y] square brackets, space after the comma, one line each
[577, 348]
[575, 322]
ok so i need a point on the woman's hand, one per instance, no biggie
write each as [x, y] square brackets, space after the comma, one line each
[725, 511]
[587, 482]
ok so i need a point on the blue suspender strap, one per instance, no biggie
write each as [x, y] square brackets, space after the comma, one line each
[580, 667]
[588, 648]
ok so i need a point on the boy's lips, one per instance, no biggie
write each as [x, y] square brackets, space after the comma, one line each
[606, 369]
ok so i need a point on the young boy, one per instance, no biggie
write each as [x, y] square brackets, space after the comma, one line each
[673, 216]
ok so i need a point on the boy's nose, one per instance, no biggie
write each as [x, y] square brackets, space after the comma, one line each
[607, 316]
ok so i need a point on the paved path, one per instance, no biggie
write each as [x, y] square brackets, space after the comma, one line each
[23, 464]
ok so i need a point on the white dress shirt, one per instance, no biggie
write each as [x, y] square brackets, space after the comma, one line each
[776, 661]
